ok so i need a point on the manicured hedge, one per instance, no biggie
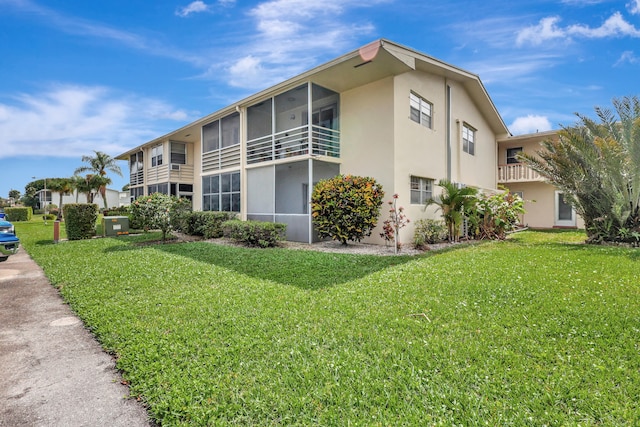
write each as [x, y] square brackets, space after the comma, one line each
[255, 233]
[80, 220]
[206, 224]
[19, 214]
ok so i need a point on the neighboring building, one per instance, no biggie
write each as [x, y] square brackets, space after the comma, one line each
[544, 204]
[385, 111]
[114, 198]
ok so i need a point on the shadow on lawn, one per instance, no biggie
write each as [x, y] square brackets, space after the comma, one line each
[304, 269]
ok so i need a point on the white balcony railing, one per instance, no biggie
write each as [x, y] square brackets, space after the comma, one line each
[517, 172]
[294, 142]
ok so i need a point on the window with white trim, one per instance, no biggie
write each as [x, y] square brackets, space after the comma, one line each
[421, 190]
[178, 153]
[221, 192]
[468, 139]
[156, 155]
[420, 110]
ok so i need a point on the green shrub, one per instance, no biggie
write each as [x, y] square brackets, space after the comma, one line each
[206, 224]
[158, 212]
[80, 220]
[121, 211]
[50, 216]
[429, 231]
[494, 215]
[19, 214]
[346, 207]
[254, 233]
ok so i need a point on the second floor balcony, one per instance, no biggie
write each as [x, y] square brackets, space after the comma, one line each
[517, 172]
[304, 140]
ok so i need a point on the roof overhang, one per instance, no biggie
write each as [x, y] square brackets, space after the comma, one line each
[375, 61]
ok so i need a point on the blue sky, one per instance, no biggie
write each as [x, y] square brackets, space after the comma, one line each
[83, 75]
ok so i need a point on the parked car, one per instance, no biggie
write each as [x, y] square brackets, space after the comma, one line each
[9, 243]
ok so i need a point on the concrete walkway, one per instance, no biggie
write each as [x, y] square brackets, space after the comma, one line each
[53, 372]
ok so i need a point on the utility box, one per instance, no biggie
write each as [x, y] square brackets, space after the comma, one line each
[115, 226]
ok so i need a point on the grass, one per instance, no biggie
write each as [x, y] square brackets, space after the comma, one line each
[536, 330]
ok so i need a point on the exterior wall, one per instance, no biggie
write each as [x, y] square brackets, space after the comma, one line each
[367, 123]
[420, 151]
[367, 137]
[475, 170]
[539, 203]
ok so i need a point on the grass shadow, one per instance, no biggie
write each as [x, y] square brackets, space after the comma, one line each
[300, 268]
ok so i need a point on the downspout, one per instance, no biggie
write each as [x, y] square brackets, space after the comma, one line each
[447, 107]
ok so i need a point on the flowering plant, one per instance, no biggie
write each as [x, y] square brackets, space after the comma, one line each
[397, 220]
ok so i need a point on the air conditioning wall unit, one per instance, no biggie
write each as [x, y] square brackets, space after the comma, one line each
[175, 167]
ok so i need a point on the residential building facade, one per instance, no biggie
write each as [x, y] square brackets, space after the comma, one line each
[544, 204]
[384, 111]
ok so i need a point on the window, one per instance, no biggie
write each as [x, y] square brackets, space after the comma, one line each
[156, 155]
[512, 155]
[421, 190]
[136, 192]
[178, 153]
[468, 139]
[230, 130]
[158, 188]
[221, 133]
[211, 136]
[221, 192]
[420, 110]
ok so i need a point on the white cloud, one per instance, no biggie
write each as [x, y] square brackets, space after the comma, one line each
[627, 57]
[199, 6]
[614, 26]
[530, 124]
[634, 7]
[193, 7]
[290, 37]
[67, 120]
[548, 29]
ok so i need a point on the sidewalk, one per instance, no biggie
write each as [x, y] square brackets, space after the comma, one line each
[53, 371]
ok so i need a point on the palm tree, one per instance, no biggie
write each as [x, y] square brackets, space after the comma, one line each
[62, 186]
[597, 166]
[454, 202]
[100, 164]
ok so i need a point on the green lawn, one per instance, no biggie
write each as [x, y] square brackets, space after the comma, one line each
[536, 330]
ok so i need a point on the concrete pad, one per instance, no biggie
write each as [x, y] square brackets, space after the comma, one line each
[54, 373]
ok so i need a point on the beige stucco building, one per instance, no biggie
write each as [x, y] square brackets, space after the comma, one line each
[384, 111]
[544, 204]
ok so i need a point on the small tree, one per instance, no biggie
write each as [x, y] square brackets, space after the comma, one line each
[155, 212]
[346, 207]
[454, 202]
[391, 227]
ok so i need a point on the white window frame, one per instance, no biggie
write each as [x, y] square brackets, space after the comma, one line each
[468, 139]
[156, 155]
[421, 186]
[420, 110]
[562, 222]
[171, 151]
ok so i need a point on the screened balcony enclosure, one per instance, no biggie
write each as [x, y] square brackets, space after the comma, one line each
[282, 193]
[301, 121]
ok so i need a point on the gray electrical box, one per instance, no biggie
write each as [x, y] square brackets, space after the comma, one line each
[115, 225]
